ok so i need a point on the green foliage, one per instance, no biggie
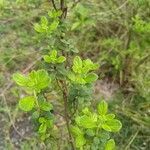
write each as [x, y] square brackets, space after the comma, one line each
[81, 71]
[72, 83]
[93, 128]
[82, 18]
[80, 95]
[2, 4]
[35, 81]
[102, 108]
[141, 26]
[110, 145]
[27, 103]
[52, 58]
[115, 34]
[45, 27]
[44, 125]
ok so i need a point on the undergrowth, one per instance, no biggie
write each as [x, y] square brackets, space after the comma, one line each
[115, 34]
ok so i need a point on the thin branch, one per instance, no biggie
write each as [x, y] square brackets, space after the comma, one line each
[53, 3]
[63, 8]
[62, 4]
[63, 88]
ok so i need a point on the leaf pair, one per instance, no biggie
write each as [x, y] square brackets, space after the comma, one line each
[107, 121]
[53, 58]
[83, 67]
[45, 27]
[35, 81]
[29, 102]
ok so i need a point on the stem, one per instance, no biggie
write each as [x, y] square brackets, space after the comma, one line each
[63, 88]
[53, 3]
[37, 103]
[63, 8]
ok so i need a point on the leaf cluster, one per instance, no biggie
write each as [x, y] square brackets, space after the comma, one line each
[91, 129]
[81, 71]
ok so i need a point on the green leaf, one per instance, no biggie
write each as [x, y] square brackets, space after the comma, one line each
[110, 116]
[76, 131]
[35, 81]
[48, 122]
[90, 132]
[88, 66]
[38, 28]
[79, 79]
[46, 106]
[53, 54]
[47, 58]
[42, 120]
[115, 125]
[104, 136]
[96, 140]
[91, 77]
[102, 108]
[110, 145]
[52, 58]
[71, 76]
[20, 79]
[87, 122]
[86, 111]
[53, 26]
[77, 64]
[106, 127]
[61, 59]
[42, 128]
[38, 80]
[54, 13]
[27, 103]
[44, 20]
[80, 141]
[35, 115]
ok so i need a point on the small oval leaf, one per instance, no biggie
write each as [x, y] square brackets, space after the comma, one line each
[27, 103]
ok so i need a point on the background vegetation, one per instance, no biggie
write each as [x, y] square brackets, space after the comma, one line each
[114, 33]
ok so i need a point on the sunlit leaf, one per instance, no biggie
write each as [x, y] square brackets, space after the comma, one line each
[77, 64]
[102, 108]
[115, 125]
[20, 79]
[27, 103]
[80, 141]
[61, 59]
[91, 77]
[110, 145]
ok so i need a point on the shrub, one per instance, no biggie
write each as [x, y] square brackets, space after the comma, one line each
[73, 82]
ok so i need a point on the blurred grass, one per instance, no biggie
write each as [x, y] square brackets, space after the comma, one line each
[19, 49]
